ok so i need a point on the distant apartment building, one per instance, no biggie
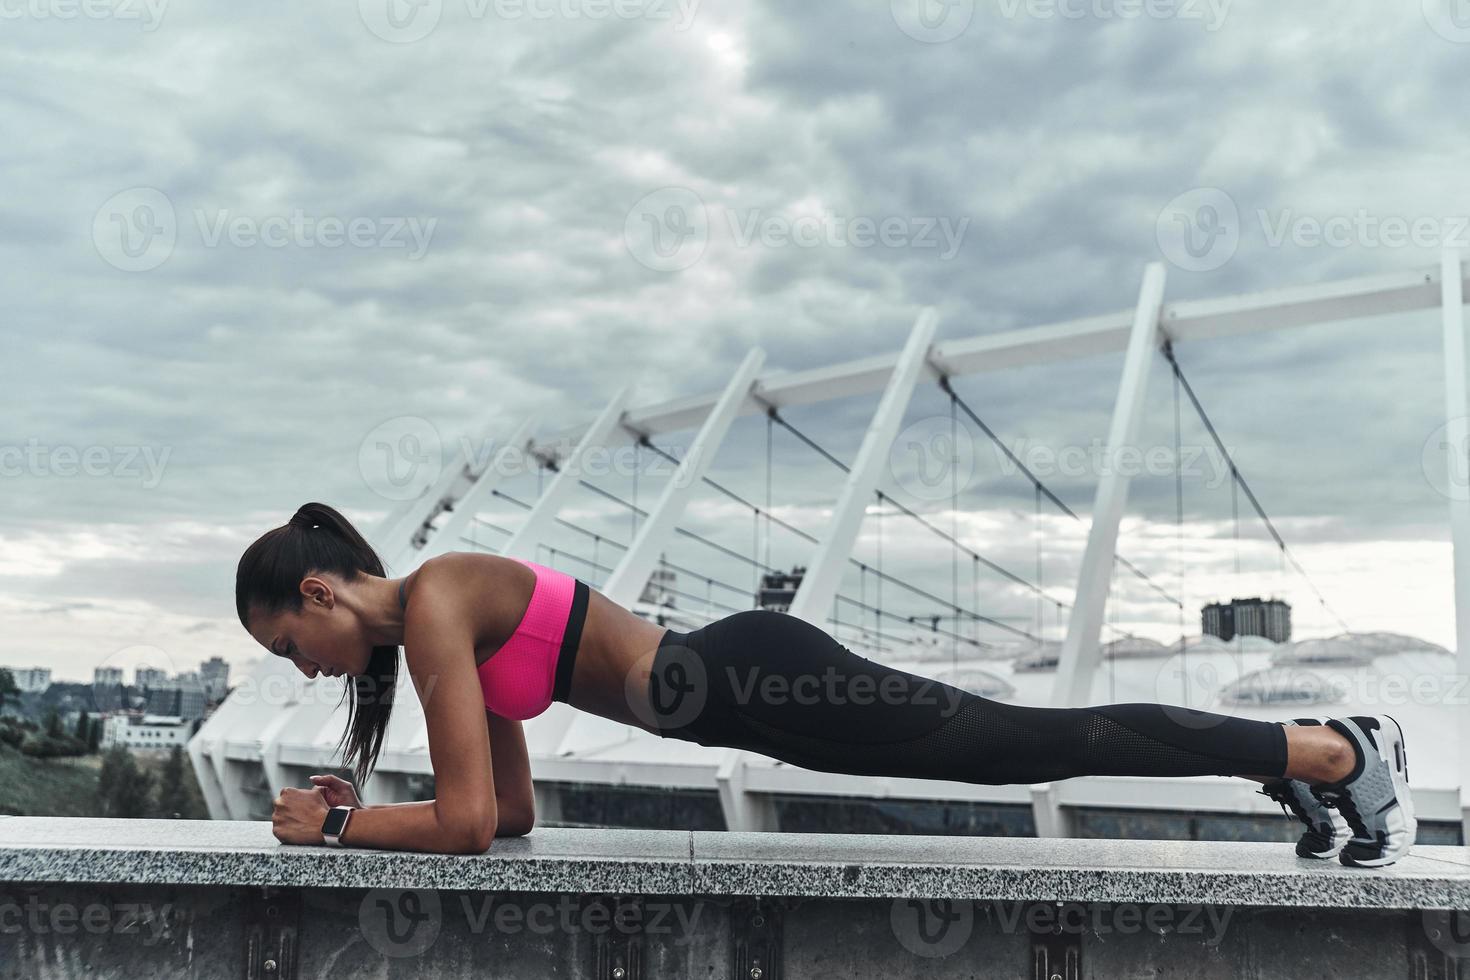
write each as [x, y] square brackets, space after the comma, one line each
[1270, 618]
[146, 731]
[107, 676]
[149, 677]
[214, 674]
[31, 680]
[182, 696]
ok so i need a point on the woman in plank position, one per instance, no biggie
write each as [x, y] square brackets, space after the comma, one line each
[490, 642]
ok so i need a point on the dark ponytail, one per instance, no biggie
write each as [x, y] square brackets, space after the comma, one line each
[318, 539]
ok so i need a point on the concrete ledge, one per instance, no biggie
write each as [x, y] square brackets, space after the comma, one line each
[37, 850]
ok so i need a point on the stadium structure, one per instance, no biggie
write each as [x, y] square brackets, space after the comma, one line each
[276, 727]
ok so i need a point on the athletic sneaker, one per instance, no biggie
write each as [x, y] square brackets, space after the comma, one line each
[1375, 796]
[1327, 830]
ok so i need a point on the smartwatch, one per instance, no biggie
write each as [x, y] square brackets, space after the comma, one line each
[335, 824]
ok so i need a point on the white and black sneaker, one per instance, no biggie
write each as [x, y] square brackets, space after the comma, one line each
[1375, 796]
[1327, 831]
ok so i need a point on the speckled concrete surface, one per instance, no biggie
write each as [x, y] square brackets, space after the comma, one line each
[43, 849]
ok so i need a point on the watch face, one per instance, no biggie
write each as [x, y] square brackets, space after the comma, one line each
[336, 820]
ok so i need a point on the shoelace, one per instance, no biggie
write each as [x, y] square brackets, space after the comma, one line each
[1342, 800]
[1290, 805]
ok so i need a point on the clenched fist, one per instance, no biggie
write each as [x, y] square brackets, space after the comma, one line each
[297, 815]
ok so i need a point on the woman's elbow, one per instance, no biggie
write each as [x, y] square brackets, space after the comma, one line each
[516, 826]
[475, 838]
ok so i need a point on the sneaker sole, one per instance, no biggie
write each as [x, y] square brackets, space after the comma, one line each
[1401, 818]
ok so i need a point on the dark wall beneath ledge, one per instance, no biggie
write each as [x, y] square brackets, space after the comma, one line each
[205, 933]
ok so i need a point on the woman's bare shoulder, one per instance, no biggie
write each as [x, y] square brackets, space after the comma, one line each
[492, 590]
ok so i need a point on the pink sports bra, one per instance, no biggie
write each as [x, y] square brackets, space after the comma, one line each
[534, 667]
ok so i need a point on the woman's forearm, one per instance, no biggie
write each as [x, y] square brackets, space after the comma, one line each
[511, 820]
[420, 826]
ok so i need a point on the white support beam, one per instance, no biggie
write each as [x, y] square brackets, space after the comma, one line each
[1051, 817]
[509, 460]
[824, 572]
[744, 811]
[625, 584]
[1298, 306]
[542, 517]
[1080, 650]
[1457, 485]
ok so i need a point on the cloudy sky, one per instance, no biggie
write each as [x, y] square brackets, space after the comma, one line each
[241, 242]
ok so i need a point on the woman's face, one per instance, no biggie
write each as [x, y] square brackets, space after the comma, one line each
[323, 639]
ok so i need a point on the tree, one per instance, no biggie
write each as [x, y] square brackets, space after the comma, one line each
[173, 799]
[8, 689]
[53, 724]
[122, 788]
[84, 724]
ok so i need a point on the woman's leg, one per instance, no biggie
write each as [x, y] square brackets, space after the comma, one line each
[777, 685]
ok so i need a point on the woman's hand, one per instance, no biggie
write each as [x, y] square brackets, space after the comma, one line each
[337, 791]
[297, 815]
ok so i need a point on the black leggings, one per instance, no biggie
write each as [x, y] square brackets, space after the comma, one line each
[777, 685]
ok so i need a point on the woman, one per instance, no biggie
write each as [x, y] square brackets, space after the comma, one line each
[490, 642]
